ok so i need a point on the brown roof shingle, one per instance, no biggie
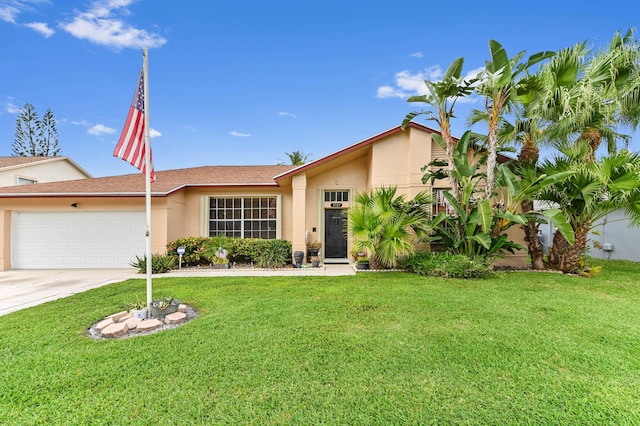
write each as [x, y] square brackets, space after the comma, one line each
[167, 181]
[16, 161]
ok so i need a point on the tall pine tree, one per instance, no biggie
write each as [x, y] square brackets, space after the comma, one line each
[35, 137]
[49, 135]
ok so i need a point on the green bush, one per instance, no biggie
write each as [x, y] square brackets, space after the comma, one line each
[447, 265]
[241, 250]
[193, 250]
[160, 263]
[275, 254]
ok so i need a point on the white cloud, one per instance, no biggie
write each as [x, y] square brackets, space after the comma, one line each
[101, 129]
[190, 127]
[11, 108]
[410, 84]
[287, 114]
[41, 27]
[416, 55]
[8, 13]
[153, 133]
[103, 24]
[10, 9]
[80, 123]
[390, 92]
[241, 135]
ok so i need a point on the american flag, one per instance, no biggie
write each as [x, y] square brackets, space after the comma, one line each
[131, 146]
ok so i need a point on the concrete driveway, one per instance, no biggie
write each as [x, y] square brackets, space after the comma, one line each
[24, 288]
[21, 289]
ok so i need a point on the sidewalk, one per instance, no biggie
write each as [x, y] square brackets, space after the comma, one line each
[24, 288]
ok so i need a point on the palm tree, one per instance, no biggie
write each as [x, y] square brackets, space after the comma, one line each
[387, 226]
[602, 94]
[596, 189]
[296, 158]
[441, 99]
[501, 86]
[529, 131]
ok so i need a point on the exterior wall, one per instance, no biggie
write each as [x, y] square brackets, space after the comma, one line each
[397, 160]
[5, 240]
[615, 229]
[53, 171]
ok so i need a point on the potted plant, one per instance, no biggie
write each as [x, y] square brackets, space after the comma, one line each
[315, 261]
[138, 309]
[164, 306]
[313, 249]
[216, 250]
[362, 263]
[220, 263]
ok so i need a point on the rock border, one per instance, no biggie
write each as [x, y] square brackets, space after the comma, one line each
[123, 325]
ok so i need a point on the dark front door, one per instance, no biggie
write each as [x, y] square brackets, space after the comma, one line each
[335, 234]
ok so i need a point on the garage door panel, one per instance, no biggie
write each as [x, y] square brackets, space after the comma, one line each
[76, 239]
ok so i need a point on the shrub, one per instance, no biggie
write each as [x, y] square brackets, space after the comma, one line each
[447, 265]
[160, 263]
[275, 254]
[193, 249]
[240, 250]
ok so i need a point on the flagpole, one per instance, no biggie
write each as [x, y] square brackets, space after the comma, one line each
[147, 179]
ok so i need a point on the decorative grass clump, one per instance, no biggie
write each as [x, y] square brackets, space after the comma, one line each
[393, 348]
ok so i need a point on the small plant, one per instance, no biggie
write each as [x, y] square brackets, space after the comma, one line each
[137, 305]
[160, 263]
[216, 250]
[314, 245]
[276, 254]
[164, 302]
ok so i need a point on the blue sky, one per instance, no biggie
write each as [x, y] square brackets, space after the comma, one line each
[243, 82]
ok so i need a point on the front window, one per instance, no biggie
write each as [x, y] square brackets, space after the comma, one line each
[440, 204]
[243, 217]
[25, 181]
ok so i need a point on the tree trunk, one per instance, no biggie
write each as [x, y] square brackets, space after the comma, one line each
[450, 145]
[531, 238]
[565, 257]
[528, 157]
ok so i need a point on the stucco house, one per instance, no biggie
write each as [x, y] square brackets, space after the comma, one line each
[30, 170]
[100, 222]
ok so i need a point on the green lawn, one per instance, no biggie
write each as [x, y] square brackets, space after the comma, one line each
[389, 348]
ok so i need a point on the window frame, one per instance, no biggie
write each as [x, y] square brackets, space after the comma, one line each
[242, 218]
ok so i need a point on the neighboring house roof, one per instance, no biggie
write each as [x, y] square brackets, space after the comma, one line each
[7, 163]
[167, 181]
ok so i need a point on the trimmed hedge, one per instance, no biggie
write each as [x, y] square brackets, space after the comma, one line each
[241, 250]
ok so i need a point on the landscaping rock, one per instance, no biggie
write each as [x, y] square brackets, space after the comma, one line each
[125, 318]
[182, 308]
[175, 318]
[133, 322]
[147, 325]
[104, 324]
[116, 317]
[115, 330]
[138, 326]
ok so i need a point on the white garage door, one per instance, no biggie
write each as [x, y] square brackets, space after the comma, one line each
[42, 240]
